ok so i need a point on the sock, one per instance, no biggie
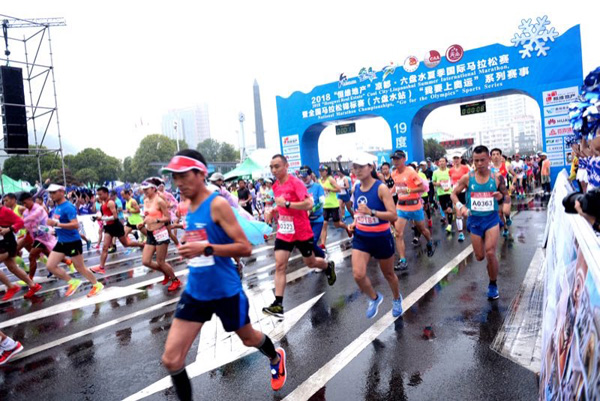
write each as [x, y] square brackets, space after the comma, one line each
[459, 223]
[268, 349]
[8, 343]
[182, 385]
[279, 300]
[493, 282]
[450, 218]
[442, 213]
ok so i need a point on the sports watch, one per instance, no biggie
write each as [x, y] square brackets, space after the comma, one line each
[209, 251]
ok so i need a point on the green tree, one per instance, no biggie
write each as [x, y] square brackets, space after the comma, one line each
[433, 149]
[107, 168]
[127, 175]
[86, 176]
[153, 148]
[56, 176]
[26, 168]
[210, 149]
[228, 153]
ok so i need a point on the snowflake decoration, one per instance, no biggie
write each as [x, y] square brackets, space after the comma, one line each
[534, 37]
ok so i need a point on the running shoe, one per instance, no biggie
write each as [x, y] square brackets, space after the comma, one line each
[21, 264]
[415, 241]
[8, 354]
[505, 233]
[73, 286]
[128, 251]
[175, 284]
[330, 273]
[397, 307]
[44, 259]
[401, 265]
[430, 223]
[493, 292]
[373, 307]
[32, 291]
[240, 267]
[89, 244]
[11, 292]
[449, 228]
[430, 248]
[71, 268]
[508, 221]
[49, 275]
[22, 283]
[166, 280]
[96, 288]
[274, 310]
[461, 237]
[279, 371]
[112, 249]
[98, 270]
[97, 246]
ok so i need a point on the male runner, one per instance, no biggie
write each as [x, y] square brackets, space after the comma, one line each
[518, 166]
[498, 166]
[331, 207]
[456, 172]
[345, 194]
[113, 228]
[212, 237]
[484, 190]
[134, 218]
[64, 219]
[315, 215]
[409, 187]
[293, 231]
[443, 185]
[374, 210]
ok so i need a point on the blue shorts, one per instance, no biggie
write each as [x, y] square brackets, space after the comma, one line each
[380, 246]
[416, 215]
[478, 225]
[233, 311]
[345, 198]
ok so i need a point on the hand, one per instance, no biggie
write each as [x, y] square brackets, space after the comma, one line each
[51, 222]
[338, 158]
[586, 216]
[402, 190]
[352, 226]
[5, 231]
[362, 208]
[463, 212]
[280, 201]
[191, 249]
[497, 195]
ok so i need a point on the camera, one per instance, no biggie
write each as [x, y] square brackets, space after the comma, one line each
[590, 202]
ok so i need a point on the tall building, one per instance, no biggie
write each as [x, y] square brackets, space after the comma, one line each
[258, 120]
[192, 124]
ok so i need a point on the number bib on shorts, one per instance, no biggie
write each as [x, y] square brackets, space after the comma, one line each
[482, 202]
[199, 235]
[286, 225]
[161, 234]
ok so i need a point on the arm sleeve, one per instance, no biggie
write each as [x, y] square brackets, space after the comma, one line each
[341, 168]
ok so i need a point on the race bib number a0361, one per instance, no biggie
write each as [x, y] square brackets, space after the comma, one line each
[482, 202]
[286, 225]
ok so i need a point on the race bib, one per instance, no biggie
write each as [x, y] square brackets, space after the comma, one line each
[161, 234]
[366, 219]
[446, 185]
[482, 202]
[286, 225]
[199, 235]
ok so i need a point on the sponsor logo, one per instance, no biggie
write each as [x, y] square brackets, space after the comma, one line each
[343, 81]
[295, 164]
[291, 149]
[432, 58]
[293, 156]
[411, 64]
[557, 96]
[365, 74]
[556, 110]
[559, 131]
[290, 140]
[556, 121]
[454, 53]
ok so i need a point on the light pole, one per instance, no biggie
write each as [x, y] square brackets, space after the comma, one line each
[241, 118]
[176, 134]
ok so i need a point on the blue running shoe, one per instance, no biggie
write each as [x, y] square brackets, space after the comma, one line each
[508, 221]
[374, 306]
[397, 307]
[505, 233]
[493, 292]
[461, 237]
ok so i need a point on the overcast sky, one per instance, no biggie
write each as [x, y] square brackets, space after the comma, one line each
[121, 62]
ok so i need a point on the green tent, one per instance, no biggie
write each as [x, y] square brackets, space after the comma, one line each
[10, 185]
[248, 167]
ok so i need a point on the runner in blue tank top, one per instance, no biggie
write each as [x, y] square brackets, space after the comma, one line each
[374, 210]
[212, 237]
[484, 191]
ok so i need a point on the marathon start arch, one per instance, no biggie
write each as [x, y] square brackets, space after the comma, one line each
[541, 64]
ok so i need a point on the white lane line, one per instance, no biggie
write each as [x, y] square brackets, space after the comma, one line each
[83, 301]
[309, 387]
[52, 344]
[212, 360]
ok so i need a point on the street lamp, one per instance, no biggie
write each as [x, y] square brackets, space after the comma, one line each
[241, 118]
[176, 134]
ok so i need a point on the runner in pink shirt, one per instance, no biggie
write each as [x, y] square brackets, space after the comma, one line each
[293, 231]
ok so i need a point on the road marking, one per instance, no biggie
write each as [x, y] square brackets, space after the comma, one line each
[52, 344]
[320, 378]
[107, 294]
[237, 351]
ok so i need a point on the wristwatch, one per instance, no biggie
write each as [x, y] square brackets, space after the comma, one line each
[372, 213]
[287, 204]
[596, 226]
[209, 251]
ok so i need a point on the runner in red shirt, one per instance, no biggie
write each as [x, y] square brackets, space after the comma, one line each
[457, 171]
[293, 230]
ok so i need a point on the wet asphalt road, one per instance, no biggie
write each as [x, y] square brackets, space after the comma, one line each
[123, 357]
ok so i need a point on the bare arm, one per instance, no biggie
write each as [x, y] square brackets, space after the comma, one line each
[461, 185]
[390, 208]
[336, 187]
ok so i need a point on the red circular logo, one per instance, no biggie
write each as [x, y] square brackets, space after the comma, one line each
[432, 58]
[454, 53]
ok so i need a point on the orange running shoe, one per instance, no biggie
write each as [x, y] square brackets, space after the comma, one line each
[98, 270]
[32, 290]
[279, 371]
[11, 292]
[96, 288]
[165, 280]
[73, 286]
[174, 285]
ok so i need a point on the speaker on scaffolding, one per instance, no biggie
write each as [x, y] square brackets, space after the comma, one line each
[14, 118]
